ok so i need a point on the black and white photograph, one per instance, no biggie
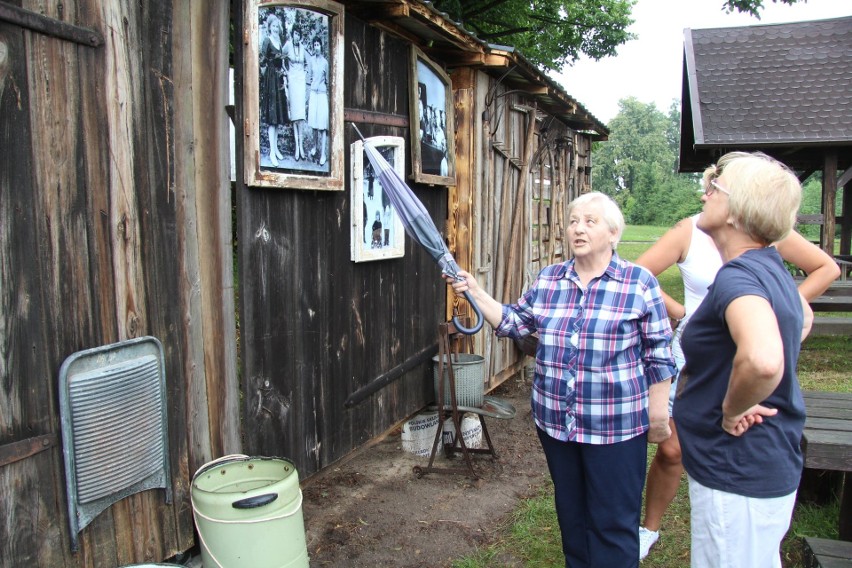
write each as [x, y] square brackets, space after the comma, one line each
[432, 124]
[294, 103]
[298, 123]
[377, 231]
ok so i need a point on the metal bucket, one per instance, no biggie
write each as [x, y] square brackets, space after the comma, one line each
[469, 374]
[248, 512]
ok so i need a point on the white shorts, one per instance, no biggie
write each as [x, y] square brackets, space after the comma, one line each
[732, 531]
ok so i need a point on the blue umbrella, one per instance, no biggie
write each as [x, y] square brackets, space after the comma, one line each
[417, 223]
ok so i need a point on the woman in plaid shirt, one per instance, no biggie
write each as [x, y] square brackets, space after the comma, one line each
[600, 393]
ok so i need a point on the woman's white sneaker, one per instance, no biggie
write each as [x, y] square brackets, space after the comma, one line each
[646, 541]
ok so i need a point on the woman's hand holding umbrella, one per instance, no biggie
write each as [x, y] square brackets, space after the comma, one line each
[418, 224]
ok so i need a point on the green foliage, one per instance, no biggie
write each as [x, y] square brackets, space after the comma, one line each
[637, 166]
[752, 7]
[549, 33]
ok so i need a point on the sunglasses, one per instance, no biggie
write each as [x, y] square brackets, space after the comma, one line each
[712, 187]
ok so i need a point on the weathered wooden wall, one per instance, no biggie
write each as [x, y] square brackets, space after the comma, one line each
[114, 224]
[317, 327]
[529, 166]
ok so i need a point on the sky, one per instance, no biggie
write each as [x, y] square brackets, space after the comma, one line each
[650, 67]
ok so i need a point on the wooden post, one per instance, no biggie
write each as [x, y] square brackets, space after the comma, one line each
[846, 220]
[829, 198]
[520, 199]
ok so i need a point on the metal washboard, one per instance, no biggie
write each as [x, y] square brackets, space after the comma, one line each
[112, 403]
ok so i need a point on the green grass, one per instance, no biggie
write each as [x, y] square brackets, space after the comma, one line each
[642, 233]
[530, 537]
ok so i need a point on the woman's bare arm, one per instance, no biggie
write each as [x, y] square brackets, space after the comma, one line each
[820, 268]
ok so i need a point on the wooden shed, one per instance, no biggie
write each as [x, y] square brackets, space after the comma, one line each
[337, 352]
[116, 224]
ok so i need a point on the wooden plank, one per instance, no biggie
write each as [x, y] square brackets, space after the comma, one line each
[31, 531]
[460, 217]
[832, 304]
[827, 450]
[816, 422]
[17, 451]
[831, 326]
[826, 396]
[50, 26]
[839, 413]
[827, 553]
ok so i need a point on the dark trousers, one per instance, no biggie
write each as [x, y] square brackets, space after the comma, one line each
[598, 494]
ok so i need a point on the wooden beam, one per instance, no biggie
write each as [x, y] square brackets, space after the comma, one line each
[22, 449]
[455, 58]
[829, 199]
[50, 26]
[845, 178]
[369, 117]
[846, 219]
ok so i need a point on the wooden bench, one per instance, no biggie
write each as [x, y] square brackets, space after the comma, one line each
[827, 445]
[834, 300]
[826, 553]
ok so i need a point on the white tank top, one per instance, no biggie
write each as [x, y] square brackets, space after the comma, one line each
[698, 269]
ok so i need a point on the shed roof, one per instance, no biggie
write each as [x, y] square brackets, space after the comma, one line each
[435, 33]
[782, 88]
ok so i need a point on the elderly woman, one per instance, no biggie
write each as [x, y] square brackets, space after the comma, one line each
[603, 346]
[739, 410]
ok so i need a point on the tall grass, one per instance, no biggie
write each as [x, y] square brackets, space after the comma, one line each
[530, 536]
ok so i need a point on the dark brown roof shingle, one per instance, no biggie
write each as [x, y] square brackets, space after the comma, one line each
[768, 85]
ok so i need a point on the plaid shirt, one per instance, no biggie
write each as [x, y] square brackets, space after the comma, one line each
[599, 349]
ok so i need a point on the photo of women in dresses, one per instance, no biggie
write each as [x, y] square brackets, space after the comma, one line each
[293, 89]
[432, 94]
[273, 85]
[318, 101]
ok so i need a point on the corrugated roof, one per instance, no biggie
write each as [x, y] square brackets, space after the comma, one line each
[769, 85]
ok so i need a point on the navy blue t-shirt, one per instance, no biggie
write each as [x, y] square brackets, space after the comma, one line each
[766, 461]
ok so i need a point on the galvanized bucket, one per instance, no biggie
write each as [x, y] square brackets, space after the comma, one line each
[248, 512]
[469, 375]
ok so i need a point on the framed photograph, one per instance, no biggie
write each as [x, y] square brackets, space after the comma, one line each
[293, 94]
[377, 231]
[432, 128]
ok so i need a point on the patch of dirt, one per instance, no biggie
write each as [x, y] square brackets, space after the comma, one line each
[371, 510]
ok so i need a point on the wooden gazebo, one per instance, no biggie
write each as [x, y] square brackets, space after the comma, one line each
[781, 89]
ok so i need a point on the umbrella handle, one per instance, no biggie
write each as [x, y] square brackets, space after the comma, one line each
[479, 319]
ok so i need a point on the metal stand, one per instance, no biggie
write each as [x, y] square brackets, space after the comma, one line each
[449, 342]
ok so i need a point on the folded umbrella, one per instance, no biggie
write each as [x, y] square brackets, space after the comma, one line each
[417, 223]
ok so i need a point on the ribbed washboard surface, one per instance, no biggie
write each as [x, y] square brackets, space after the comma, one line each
[117, 420]
[114, 426]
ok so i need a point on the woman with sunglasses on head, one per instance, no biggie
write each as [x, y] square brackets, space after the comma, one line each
[698, 260]
[738, 408]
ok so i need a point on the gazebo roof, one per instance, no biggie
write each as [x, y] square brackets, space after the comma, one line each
[783, 89]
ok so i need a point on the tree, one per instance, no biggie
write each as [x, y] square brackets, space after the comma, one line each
[554, 33]
[549, 33]
[752, 7]
[637, 166]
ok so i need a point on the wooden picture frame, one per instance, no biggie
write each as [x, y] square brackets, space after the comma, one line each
[432, 126]
[377, 230]
[292, 88]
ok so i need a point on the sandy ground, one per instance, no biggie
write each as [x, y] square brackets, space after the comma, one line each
[372, 510]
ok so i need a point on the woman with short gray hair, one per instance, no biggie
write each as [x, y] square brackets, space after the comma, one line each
[602, 374]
